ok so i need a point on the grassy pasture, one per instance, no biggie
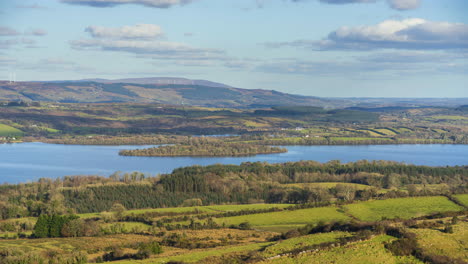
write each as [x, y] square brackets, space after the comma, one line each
[286, 218]
[441, 243]
[327, 185]
[449, 117]
[463, 198]
[89, 244]
[196, 255]
[385, 131]
[6, 131]
[303, 241]
[400, 208]
[370, 132]
[233, 208]
[366, 252]
[357, 139]
[201, 209]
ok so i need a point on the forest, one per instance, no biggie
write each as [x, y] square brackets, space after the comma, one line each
[204, 147]
[245, 183]
[250, 213]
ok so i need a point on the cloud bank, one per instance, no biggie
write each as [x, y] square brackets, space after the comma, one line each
[414, 33]
[404, 4]
[112, 3]
[144, 41]
[139, 31]
[7, 31]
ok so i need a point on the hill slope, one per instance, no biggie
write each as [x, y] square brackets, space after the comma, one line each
[200, 93]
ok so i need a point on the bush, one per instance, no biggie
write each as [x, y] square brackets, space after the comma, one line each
[245, 226]
[448, 229]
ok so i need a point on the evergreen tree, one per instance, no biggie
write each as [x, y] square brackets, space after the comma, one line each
[41, 229]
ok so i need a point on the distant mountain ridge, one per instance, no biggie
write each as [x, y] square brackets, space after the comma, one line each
[161, 81]
[173, 91]
[183, 91]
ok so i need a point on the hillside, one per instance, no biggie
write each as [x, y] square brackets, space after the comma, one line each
[151, 90]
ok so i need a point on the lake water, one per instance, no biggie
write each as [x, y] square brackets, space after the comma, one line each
[29, 161]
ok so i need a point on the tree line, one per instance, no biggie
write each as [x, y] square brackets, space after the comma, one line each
[206, 147]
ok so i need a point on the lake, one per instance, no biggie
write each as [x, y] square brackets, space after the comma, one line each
[24, 162]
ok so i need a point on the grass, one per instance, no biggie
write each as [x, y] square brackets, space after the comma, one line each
[233, 208]
[365, 252]
[401, 208]
[278, 228]
[327, 185]
[286, 218]
[441, 243]
[359, 139]
[386, 131]
[90, 244]
[463, 198]
[449, 117]
[201, 209]
[370, 132]
[300, 242]
[129, 226]
[200, 254]
[6, 131]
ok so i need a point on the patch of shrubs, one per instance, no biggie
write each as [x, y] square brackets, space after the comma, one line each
[145, 250]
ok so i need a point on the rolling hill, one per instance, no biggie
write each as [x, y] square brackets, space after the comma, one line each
[173, 91]
[181, 91]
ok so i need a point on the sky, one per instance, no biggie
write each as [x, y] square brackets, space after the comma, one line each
[327, 48]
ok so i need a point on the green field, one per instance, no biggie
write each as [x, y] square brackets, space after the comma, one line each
[358, 139]
[300, 242]
[463, 198]
[400, 208]
[327, 185]
[286, 219]
[386, 131]
[8, 131]
[366, 252]
[201, 209]
[199, 254]
[71, 244]
[234, 208]
[449, 117]
[441, 243]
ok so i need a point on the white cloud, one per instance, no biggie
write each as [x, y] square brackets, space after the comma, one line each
[31, 6]
[137, 46]
[37, 32]
[112, 3]
[126, 32]
[404, 4]
[401, 63]
[395, 4]
[55, 64]
[7, 31]
[341, 2]
[143, 40]
[414, 33]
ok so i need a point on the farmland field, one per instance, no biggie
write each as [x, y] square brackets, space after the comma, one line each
[463, 198]
[191, 256]
[400, 208]
[441, 243]
[365, 252]
[303, 241]
[287, 218]
[327, 185]
[201, 209]
[9, 131]
[72, 244]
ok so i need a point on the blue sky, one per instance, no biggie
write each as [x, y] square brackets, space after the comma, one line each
[336, 48]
